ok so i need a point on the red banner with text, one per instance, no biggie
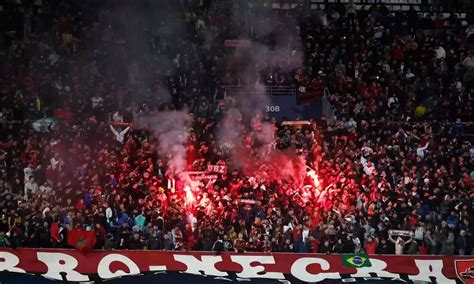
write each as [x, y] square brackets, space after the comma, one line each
[72, 265]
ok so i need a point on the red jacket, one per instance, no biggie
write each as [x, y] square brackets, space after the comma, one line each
[422, 249]
[54, 232]
[314, 245]
[398, 54]
[371, 246]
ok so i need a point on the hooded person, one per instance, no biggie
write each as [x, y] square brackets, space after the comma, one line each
[218, 245]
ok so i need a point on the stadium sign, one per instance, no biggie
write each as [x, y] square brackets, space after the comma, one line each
[100, 265]
[286, 107]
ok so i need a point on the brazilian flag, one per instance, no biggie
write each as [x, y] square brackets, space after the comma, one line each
[356, 260]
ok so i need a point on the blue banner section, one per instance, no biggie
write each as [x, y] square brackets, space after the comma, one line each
[286, 107]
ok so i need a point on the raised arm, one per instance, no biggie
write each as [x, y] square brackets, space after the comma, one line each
[424, 147]
[123, 132]
[391, 239]
[114, 131]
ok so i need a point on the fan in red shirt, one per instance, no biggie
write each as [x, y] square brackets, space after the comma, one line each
[80, 206]
[398, 54]
[313, 244]
[54, 232]
[239, 244]
[371, 245]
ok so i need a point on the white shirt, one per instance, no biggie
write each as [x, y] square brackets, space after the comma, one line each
[96, 101]
[28, 172]
[357, 244]
[53, 58]
[117, 117]
[470, 31]
[368, 170]
[193, 223]
[44, 188]
[30, 186]
[468, 62]
[366, 150]
[352, 123]
[56, 164]
[108, 214]
[200, 24]
[305, 233]
[419, 233]
[119, 136]
[422, 150]
[440, 53]
[409, 75]
[391, 101]
[351, 8]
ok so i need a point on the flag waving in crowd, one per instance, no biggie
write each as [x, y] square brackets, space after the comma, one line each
[82, 240]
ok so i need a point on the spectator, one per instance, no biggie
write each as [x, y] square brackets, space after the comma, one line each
[4, 242]
[431, 243]
[371, 245]
[461, 243]
[31, 187]
[384, 248]
[155, 242]
[167, 243]
[447, 243]
[218, 246]
[399, 244]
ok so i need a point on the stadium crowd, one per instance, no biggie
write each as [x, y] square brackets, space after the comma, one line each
[394, 164]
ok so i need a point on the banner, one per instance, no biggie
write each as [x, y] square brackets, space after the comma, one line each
[44, 124]
[249, 201]
[81, 239]
[218, 169]
[207, 267]
[237, 43]
[64, 114]
[118, 123]
[401, 233]
[296, 122]
[203, 177]
[194, 172]
[286, 108]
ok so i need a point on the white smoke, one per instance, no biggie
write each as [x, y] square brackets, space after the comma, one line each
[171, 130]
[265, 140]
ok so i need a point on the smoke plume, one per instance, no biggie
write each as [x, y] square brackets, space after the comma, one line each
[245, 131]
[171, 130]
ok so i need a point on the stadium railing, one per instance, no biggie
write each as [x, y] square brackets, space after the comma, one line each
[269, 90]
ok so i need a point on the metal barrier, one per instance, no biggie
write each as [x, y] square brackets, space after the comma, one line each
[397, 5]
[394, 5]
[269, 90]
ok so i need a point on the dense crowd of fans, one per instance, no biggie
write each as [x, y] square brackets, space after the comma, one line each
[394, 165]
